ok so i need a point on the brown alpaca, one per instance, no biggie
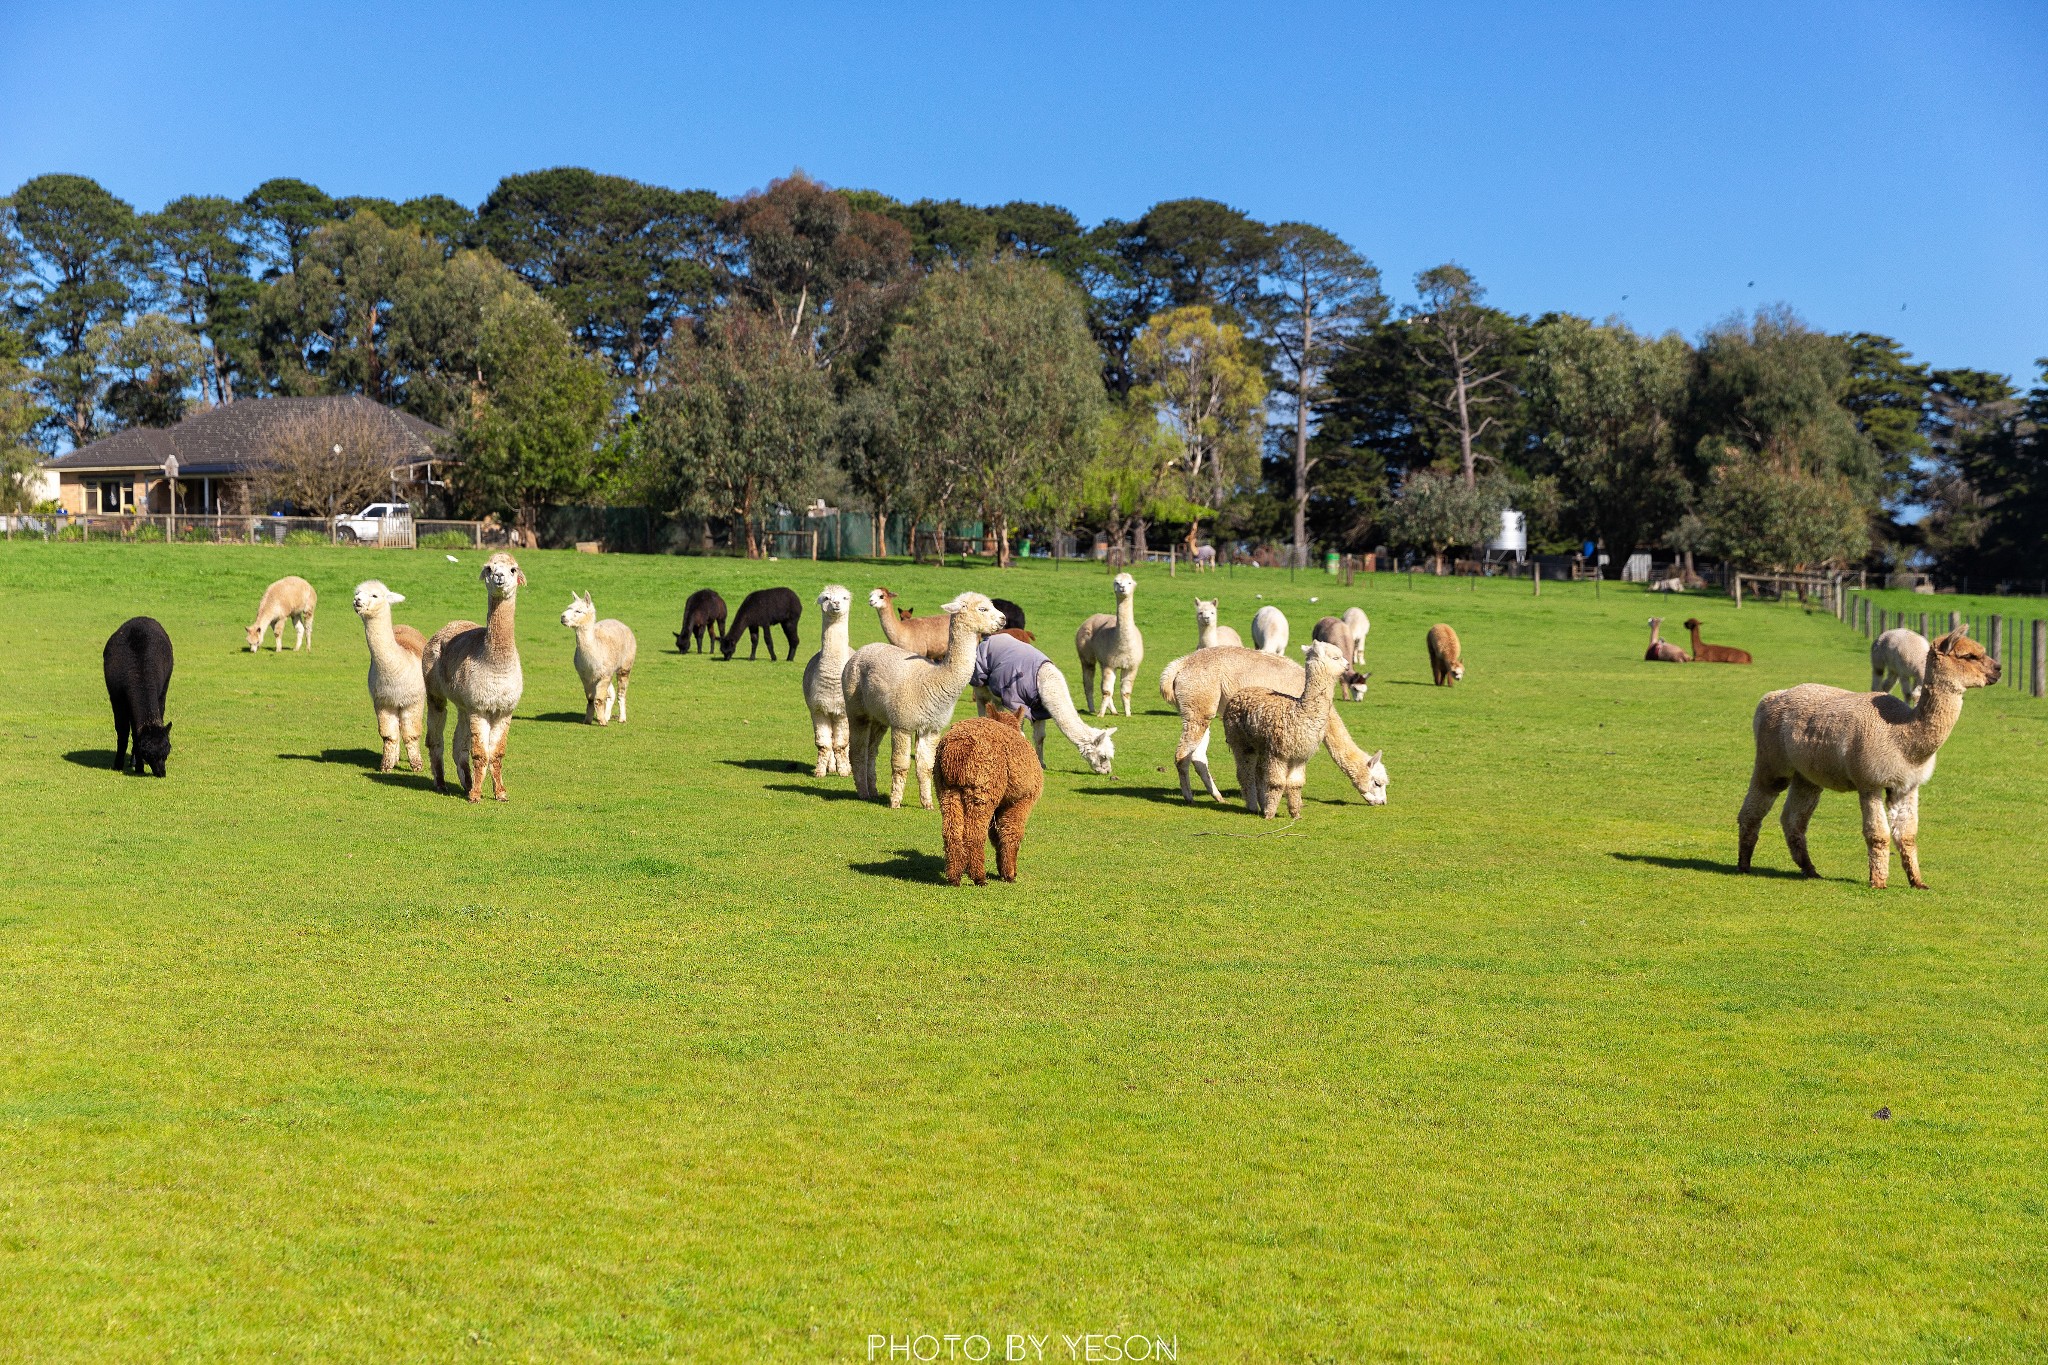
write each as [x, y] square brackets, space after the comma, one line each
[1713, 654]
[923, 635]
[1018, 633]
[988, 778]
[1813, 738]
[1444, 664]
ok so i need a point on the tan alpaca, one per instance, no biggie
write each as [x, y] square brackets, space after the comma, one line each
[1113, 644]
[398, 684]
[476, 668]
[292, 599]
[1273, 735]
[1199, 684]
[989, 778]
[1815, 738]
[605, 651]
[925, 635]
[894, 691]
[1208, 634]
[1445, 665]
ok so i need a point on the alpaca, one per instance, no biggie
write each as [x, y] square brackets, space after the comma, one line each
[1814, 737]
[137, 664]
[1269, 630]
[1445, 665]
[988, 782]
[1208, 634]
[1199, 684]
[1332, 630]
[1899, 656]
[1113, 644]
[1272, 735]
[290, 597]
[703, 614]
[1013, 615]
[1661, 650]
[1020, 678]
[477, 669]
[889, 688]
[922, 635]
[398, 685]
[1713, 654]
[824, 678]
[1357, 623]
[1019, 633]
[1205, 559]
[604, 659]
[759, 614]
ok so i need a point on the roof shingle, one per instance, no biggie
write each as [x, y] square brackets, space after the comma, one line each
[231, 438]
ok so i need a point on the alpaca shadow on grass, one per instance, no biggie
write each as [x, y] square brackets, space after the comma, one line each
[92, 758]
[911, 865]
[1170, 796]
[556, 717]
[822, 793]
[1725, 869]
[406, 777]
[361, 758]
[768, 765]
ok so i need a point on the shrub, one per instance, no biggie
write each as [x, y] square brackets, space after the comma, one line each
[148, 530]
[305, 538]
[445, 540]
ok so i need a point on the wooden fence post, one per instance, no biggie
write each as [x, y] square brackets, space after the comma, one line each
[1738, 592]
[2040, 653]
[1995, 631]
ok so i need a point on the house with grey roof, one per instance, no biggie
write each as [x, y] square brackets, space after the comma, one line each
[218, 449]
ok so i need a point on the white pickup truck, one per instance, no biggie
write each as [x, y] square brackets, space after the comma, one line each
[367, 526]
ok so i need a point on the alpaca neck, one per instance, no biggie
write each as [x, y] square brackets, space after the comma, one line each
[1126, 615]
[586, 635]
[498, 642]
[1322, 686]
[958, 664]
[1939, 708]
[835, 639]
[887, 611]
[1696, 646]
[1205, 635]
[384, 646]
[1060, 706]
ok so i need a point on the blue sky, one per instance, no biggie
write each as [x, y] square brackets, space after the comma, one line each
[1877, 166]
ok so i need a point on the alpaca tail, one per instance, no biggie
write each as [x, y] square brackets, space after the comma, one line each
[1166, 677]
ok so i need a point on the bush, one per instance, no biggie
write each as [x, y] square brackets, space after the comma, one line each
[69, 532]
[445, 540]
[305, 538]
[148, 530]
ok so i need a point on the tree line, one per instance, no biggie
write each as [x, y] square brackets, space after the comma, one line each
[1192, 373]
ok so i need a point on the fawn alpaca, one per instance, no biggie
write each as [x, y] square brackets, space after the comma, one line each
[288, 599]
[1273, 735]
[1113, 644]
[604, 659]
[477, 669]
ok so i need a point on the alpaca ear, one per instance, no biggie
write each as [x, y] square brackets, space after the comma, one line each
[394, 597]
[1110, 731]
[519, 577]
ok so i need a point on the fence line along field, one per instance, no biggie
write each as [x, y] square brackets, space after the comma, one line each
[685, 1053]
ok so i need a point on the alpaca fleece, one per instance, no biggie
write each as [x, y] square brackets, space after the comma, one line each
[988, 779]
[137, 663]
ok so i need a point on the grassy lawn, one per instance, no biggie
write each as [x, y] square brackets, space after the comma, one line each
[684, 1054]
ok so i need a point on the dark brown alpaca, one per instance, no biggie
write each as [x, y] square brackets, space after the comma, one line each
[988, 780]
[1713, 654]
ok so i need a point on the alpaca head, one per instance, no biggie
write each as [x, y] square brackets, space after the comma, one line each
[502, 577]
[580, 611]
[1962, 662]
[834, 602]
[1001, 716]
[1691, 622]
[880, 599]
[1322, 657]
[1353, 683]
[153, 747]
[253, 635]
[1375, 779]
[1124, 585]
[981, 614]
[1205, 613]
[1099, 750]
[373, 599]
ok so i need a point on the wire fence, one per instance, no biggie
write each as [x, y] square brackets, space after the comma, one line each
[384, 533]
[2019, 643]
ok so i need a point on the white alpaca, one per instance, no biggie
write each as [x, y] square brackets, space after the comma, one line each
[1899, 656]
[1199, 684]
[398, 685]
[1269, 631]
[1017, 676]
[889, 688]
[1113, 644]
[290, 598]
[824, 683]
[1207, 633]
[1355, 621]
[604, 659]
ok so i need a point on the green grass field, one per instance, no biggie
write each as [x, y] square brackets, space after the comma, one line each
[682, 1054]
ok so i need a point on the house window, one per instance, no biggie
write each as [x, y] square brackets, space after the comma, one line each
[109, 496]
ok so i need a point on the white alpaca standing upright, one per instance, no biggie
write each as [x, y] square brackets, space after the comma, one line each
[398, 685]
[889, 688]
[1113, 644]
[1269, 630]
[1899, 656]
[825, 683]
[1356, 622]
[604, 659]
[1208, 634]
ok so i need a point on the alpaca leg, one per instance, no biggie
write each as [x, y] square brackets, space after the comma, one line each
[821, 733]
[625, 677]
[1088, 685]
[1200, 760]
[388, 731]
[925, 752]
[902, 746]
[1799, 804]
[500, 732]
[409, 730]
[280, 639]
[1130, 676]
[1009, 837]
[842, 760]
[1877, 837]
[1108, 706]
[1272, 787]
[122, 725]
[860, 758]
[953, 830]
[1297, 779]
[1905, 822]
[980, 811]
[437, 725]
[1193, 739]
[1763, 794]
[1038, 740]
[477, 733]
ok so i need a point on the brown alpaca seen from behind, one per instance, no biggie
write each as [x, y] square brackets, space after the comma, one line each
[1445, 665]
[988, 779]
[1703, 653]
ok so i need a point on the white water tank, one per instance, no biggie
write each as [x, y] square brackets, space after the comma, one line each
[1514, 534]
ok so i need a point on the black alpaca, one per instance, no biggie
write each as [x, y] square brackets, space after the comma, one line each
[703, 614]
[138, 668]
[1013, 615]
[759, 615]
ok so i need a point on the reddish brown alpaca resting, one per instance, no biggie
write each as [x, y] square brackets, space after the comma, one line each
[1713, 654]
[988, 780]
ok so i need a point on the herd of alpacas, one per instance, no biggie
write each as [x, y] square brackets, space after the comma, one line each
[982, 772]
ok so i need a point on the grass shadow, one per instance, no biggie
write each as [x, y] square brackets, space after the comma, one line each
[361, 758]
[1711, 865]
[910, 865]
[769, 765]
[822, 793]
[557, 717]
[405, 777]
[92, 758]
[1165, 796]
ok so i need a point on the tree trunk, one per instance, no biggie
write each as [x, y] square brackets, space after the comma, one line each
[1465, 433]
[1300, 439]
[1139, 545]
[1003, 542]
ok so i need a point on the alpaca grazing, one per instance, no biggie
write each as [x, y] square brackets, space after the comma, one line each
[1208, 634]
[922, 635]
[988, 781]
[1199, 684]
[1713, 654]
[398, 683]
[476, 669]
[824, 683]
[604, 659]
[1661, 650]
[759, 614]
[1332, 630]
[1899, 656]
[1113, 644]
[1269, 630]
[1814, 738]
[1272, 735]
[703, 615]
[1360, 626]
[891, 689]
[137, 663]
[1445, 664]
[1013, 615]
[1014, 675]
[291, 598]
